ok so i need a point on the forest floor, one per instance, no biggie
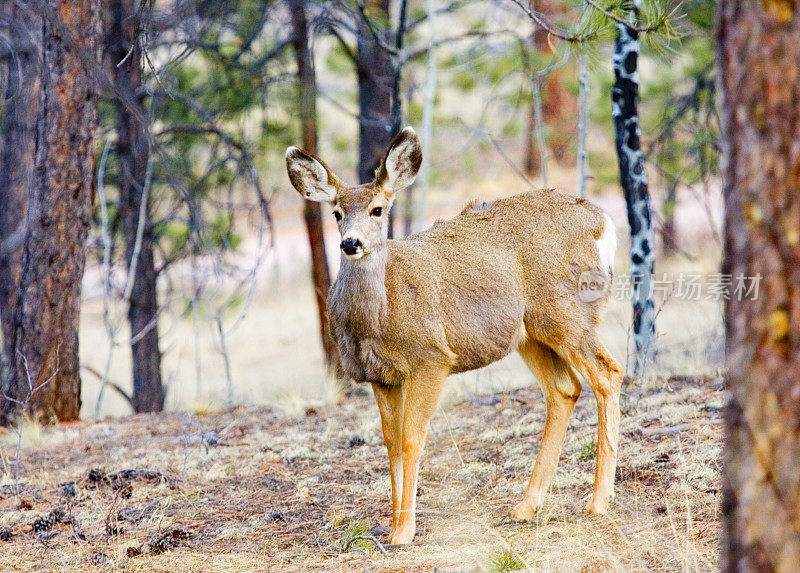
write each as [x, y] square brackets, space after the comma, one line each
[253, 489]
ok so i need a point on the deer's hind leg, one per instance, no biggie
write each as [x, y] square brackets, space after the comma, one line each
[605, 378]
[561, 390]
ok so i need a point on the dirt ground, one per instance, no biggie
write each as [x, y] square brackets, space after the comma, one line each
[254, 489]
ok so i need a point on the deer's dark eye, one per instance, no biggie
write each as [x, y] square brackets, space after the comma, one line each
[337, 215]
[376, 212]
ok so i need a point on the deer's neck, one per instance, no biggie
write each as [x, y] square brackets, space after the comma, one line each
[360, 294]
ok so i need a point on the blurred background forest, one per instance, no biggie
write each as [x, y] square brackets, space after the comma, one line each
[205, 271]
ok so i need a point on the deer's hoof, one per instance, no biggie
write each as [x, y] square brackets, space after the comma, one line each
[401, 537]
[598, 505]
[524, 511]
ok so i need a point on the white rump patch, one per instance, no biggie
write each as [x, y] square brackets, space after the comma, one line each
[607, 245]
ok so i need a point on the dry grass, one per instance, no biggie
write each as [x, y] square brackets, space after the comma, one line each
[254, 489]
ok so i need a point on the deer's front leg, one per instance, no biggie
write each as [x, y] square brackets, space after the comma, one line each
[390, 404]
[421, 400]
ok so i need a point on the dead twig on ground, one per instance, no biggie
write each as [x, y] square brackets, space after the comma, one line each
[371, 538]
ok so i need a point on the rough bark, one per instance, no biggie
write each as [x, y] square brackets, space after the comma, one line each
[375, 84]
[380, 113]
[633, 177]
[758, 56]
[18, 109]
[670, 230]
[132, 155]
[312, 212]
[45, 337]
[532, 157]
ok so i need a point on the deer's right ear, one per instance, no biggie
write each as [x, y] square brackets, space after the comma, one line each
[310, 176]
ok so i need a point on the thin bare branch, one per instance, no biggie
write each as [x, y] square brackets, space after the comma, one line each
[362, 10]
[106, 271]
[371, 538]
[545, 24]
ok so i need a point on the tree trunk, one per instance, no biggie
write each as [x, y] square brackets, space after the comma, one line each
[19, 108]
[583, 126]
[559, 110]
[375, 85]
[423, 179]
[532, 159]
[758, 55]
[633, 177]
[670, 231]
[45, 365]
[559, 106]
[132, 156]
[312, 212]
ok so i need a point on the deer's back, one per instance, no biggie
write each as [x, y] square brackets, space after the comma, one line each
[479, 283]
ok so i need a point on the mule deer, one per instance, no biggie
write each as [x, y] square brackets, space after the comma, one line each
[501, 276]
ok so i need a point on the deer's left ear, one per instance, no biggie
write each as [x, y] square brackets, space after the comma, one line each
[401, 163]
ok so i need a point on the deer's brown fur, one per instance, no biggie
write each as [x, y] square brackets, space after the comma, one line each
[499, 277]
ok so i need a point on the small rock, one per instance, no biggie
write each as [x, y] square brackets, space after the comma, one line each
[277, 515]
[99, 558]
[356, 441]
[134, 515]
[206, 438]
[95, 476]
[6, 534]
[68, 489]
[169, 540]
[47, 536]
[13, 489]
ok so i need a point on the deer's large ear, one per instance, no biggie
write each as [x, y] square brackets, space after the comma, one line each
[401, 163]
[310, 176]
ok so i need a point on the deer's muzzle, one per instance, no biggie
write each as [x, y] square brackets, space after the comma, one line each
[353, 248]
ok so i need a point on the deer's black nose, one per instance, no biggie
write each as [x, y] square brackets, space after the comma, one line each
[351, 246]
